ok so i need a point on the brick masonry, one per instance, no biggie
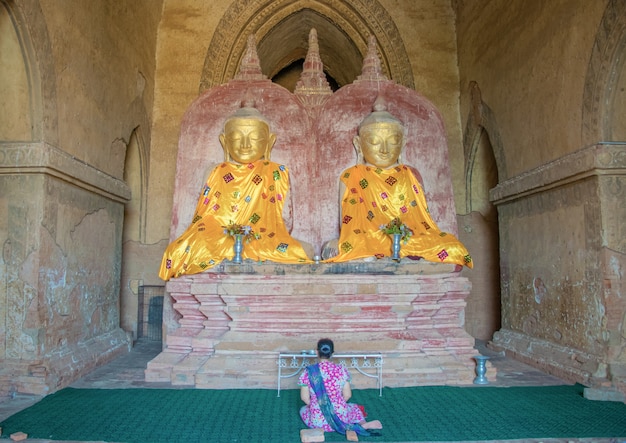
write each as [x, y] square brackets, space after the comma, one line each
[232, 327]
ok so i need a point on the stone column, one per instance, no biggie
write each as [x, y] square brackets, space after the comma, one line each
[563, 310]
[61, 230]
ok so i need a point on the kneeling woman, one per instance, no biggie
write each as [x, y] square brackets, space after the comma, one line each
[325, 389]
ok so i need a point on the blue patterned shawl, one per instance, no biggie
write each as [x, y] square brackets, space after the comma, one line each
[326, 406]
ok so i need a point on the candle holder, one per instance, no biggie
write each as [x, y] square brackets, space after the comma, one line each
[481, 370]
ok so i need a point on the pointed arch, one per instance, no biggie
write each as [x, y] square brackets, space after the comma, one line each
[605, 72]
[483, 153]
[16, 107]
[349, 23]
[136, 177]
[31, 32]
[481, 122]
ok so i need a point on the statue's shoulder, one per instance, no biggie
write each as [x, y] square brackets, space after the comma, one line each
[415, 173]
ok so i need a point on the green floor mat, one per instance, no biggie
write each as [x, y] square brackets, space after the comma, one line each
[434, 413]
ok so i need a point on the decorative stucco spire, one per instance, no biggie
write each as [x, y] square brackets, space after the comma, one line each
[372, 69]
[313, 88]
[250, 68]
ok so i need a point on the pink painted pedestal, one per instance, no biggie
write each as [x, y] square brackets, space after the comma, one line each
[234, 325]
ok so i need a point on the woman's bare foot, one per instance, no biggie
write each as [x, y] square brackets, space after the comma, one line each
[374, 424]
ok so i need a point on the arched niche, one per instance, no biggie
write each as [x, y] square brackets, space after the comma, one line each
[136, 177]
[342, 58]
[281, 28]
[483, 152]
[484, 168]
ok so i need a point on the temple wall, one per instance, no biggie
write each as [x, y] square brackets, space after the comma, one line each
[529, 60]
[59, 301]
[544, 81]
[103, 55]
[564, 310]
[97, 71]
[83, 81]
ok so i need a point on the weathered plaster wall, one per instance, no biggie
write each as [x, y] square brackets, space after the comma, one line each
[530, 60]
[482, 313]
[185, 32]
[562, 291]
[557, 303]
[15, 115]
[561, 266]
[91, 71]
[104, 58]
[60, 268]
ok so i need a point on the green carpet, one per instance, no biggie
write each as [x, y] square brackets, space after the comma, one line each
[434, 413]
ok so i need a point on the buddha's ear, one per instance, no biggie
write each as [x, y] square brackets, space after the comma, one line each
[224, 147]
[356, 141]
[402, 148]
[270, 145]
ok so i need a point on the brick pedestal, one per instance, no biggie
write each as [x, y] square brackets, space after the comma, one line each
[415, 319]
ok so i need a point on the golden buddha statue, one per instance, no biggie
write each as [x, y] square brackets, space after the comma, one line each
[379, 189]
[248, 190]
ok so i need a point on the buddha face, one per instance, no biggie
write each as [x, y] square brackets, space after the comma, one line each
[380, 143]
[246, 140]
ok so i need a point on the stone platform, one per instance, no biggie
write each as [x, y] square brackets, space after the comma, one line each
[232, 326]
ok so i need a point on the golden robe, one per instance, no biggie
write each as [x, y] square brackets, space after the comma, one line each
[252, 194]
[374, 197]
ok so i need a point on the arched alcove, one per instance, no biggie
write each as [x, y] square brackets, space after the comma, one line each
[136, 178]
[281, 28]
[483, 163]
[134, 231]
[342, 59]
[484, 176]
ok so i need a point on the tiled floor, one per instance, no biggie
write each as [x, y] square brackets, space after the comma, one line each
[128, 372]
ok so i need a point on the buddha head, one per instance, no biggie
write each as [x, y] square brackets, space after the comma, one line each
[381, 138]
[247, 137]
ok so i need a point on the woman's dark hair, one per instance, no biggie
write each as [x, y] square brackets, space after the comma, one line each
[325, 348]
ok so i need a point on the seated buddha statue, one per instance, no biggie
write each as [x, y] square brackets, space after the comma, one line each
[248, 190]
[379, 189]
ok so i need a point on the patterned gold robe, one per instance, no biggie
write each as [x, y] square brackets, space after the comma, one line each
[374, 197]
[252, 194]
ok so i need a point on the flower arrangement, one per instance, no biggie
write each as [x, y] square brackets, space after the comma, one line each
[396, 226]
[245, 230]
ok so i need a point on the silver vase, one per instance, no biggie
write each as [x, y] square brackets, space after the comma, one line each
[238, 248]
[395, 246]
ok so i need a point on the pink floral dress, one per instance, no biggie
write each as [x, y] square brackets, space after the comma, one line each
[335, 376]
